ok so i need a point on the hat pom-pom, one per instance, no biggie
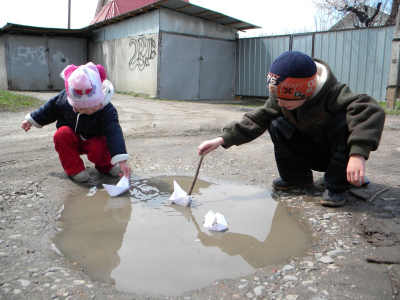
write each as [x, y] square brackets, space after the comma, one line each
[102, 72]
[79, 80]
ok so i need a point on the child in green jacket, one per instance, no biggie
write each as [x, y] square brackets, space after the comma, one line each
[315, 123]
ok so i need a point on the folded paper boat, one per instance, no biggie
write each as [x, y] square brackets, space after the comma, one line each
[179, 196]
[121, 187]
[215, 221]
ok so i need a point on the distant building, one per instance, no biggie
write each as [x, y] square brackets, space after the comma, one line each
[167, 49]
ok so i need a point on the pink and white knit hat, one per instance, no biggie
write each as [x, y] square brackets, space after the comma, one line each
[84, 84]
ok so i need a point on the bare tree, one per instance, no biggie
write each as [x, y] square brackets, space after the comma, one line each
[393, 13]
[359, 13]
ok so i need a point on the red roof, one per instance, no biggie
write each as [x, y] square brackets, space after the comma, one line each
[118, 7]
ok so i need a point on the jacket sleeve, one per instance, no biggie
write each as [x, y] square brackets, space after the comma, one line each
[48, 113]
[253, 125]
[365, 120]
[114, 136]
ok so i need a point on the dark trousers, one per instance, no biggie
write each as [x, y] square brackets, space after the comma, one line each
[326, 150]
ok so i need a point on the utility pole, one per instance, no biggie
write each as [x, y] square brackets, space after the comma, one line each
[392, 91]
[69, 14]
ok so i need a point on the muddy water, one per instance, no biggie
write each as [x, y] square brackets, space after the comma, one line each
[143, 244]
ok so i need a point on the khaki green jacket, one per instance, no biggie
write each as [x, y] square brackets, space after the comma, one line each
[365, 117]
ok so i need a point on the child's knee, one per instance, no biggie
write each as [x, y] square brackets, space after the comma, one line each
[62, 132]
[280, 127]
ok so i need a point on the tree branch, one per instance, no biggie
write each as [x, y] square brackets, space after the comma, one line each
[370, 20]
[393, 13]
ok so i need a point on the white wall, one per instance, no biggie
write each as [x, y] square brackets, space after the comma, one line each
[130, 62]
[175, 22]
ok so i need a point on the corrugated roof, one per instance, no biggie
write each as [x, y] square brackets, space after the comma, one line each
[115, 8]
[44, 31]
[118, 10]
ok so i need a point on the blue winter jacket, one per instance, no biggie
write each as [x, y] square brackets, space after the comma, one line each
[103, 122]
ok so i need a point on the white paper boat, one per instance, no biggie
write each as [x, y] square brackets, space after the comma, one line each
[215, 221]
[179, 196]
[218, 227]
[121, 187]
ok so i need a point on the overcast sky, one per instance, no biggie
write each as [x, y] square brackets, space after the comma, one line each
[276, 17]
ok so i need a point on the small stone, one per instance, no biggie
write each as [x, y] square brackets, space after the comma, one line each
[333, 267]
[15, 236]
[334, 252]
[287, 268]
[33, 270]
[290, 278]
[259, 290]
[292, 297]
[327, 260]
[16, 291]
[307, 264]
[250, 295]
[318, 255]
[312, 289]
[53, 269]
[307, 282]
[60, 292]
[24, 283]
[78, 282]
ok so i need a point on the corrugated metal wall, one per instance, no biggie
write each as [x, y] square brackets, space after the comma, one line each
[359, 57]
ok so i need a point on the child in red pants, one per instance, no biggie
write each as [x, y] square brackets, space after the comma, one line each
[87, 123]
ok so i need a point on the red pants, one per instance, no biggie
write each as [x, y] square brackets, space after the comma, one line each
[70, 146]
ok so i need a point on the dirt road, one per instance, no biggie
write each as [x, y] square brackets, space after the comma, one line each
[355, 249]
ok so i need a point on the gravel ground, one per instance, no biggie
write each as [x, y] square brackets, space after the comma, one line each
[355, 249]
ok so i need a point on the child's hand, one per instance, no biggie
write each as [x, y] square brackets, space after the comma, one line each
[356, 169]
[211, 145]
[125, 168]
[26, 125]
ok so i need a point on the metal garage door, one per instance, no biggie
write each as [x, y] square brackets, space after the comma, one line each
[196, 68]
[35, 63]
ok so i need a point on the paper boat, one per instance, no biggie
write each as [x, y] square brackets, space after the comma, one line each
[179, 196]
[121, 187]
[215, 221]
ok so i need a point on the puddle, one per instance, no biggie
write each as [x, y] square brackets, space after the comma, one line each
[143, 244]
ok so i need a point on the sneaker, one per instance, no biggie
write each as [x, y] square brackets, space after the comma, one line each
[281, 185]
[81, 177]
[115, 170]
[333, 199]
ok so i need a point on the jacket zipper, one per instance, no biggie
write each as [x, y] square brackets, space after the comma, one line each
[298, 118]
[77, 121]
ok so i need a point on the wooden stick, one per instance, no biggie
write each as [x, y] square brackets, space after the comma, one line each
[374, 196]
[195, 176]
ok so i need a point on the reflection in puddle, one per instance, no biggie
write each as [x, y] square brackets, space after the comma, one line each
[143, 244]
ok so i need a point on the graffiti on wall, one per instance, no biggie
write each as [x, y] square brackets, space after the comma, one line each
[144, 51]
[30, 54]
